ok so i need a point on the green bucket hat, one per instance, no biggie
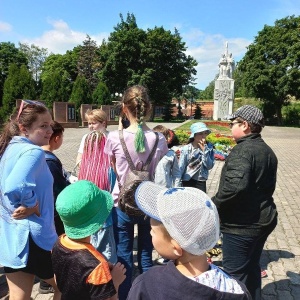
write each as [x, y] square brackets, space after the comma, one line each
[83, 208]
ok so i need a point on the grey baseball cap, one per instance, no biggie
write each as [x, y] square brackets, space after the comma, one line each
[250, 114]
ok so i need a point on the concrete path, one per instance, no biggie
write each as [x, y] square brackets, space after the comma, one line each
[281, 255]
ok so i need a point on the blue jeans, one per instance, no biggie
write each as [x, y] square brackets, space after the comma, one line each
[104, 241]
[124, 236]
[241, 256]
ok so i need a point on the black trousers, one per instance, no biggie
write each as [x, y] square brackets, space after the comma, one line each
[201, 185]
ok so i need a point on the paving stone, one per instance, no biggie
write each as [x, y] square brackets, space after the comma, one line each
[282, 249]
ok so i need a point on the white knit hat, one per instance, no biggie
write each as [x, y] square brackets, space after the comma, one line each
[188, 214]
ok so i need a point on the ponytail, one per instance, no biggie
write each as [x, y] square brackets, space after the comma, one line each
[139, 141]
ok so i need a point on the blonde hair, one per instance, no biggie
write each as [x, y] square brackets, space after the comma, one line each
[96, 115]
[136, 100]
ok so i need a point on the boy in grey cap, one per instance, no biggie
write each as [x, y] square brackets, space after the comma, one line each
[184, 224]
[244, 199]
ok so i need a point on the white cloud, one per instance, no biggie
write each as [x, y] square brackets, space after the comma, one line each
[5, 27]
[207, 50]
[62, 38]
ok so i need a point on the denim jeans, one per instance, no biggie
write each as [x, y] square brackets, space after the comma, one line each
[124, 237]
[241, 256]
[104, 241]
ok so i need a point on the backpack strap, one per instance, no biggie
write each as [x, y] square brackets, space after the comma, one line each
[152, 152]
[127, 155]
[125, 149]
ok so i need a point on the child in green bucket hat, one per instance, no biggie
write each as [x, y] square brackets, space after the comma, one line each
[81, 271]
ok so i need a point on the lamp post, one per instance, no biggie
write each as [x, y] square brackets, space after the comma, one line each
[118, 95]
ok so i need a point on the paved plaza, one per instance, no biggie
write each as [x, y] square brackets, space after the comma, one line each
[281, 255]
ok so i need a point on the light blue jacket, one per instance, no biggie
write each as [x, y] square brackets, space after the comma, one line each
[25, 179]
[194, 163]
[167, 172]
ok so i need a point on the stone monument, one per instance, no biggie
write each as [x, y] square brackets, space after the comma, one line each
[224, 87]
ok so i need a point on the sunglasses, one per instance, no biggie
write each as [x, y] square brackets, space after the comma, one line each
[231, 124]
[26, 103]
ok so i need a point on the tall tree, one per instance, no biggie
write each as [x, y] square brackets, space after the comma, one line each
[271, 65]
[9, 54]
[36, 57]
[80, 92]
[88, 63]
[121, 55]
[18, 85]
[56, 88]
[101, 95]
[198, 112]
[166, 67]
[208, 92]
[155, 58]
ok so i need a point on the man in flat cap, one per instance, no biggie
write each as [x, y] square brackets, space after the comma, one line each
[244, 199]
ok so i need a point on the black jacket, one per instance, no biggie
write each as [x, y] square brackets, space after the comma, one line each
[244, 198]
[59, 183]
[167, 283]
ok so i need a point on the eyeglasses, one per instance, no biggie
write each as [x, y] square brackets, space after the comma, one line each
[24, 104]
[231, 124]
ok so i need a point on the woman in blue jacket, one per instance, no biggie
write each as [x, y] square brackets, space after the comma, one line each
[26, 201]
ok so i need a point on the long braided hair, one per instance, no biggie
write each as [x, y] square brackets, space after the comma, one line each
[95, 164]
[136, 100]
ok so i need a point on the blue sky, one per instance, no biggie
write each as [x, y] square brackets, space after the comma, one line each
[204, 25]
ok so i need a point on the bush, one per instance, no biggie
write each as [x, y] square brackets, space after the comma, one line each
[291, 114]
[183, 136]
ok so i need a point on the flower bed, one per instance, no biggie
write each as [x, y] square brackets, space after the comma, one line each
[222, 143]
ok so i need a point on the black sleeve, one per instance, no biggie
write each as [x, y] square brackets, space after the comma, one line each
[60, 182]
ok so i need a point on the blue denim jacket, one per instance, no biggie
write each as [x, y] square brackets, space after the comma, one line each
[167, 171]
[194, 163]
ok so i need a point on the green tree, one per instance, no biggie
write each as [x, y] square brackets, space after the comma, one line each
[168, 114]
[9, 54]
[56, 88]
[88, 63]
[121, 55]
[155, 58]
[198, 112]
[271, 65]
[80, 92]
[36, 57]
[166, 67]
[63, 67]
[208, 92]
[101, 95]
[18, 85]
[62, 63]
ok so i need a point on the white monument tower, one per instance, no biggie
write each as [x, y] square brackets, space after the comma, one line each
[224, 87]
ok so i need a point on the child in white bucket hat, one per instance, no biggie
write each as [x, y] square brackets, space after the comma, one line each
[184, 225]
[196, 158]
